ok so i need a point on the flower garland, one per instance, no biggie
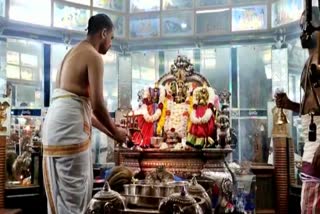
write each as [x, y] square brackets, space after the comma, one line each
[176, 119]
[163, 116]
[150, 118]
[190, 111]
[201, 120]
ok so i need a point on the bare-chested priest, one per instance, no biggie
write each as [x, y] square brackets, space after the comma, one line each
[77, 103]
[310, 175]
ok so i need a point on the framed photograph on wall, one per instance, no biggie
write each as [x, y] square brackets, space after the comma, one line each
[177, 23]
[209, 21]
[73, 18]
[138, 6]
[144, 26]
[249, 18]
[116, 5]
[286, 11]
[177, 4]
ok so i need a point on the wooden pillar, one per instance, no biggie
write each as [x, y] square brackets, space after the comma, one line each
[284, 171]
[2, 169]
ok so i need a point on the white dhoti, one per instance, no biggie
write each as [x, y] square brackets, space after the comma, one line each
[310, 193]
[310, 147]
[67, 163]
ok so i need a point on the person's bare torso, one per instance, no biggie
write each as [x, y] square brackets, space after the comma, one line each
[73, 73]
[310, 104]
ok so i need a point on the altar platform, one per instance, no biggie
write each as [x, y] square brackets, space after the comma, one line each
[182, 163]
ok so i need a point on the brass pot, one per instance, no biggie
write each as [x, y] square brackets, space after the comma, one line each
[181, 203]
[106, 201]
[195, 189]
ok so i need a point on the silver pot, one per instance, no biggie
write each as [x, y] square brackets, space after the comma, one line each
[106, 201]
[181, 203]
[195, 189]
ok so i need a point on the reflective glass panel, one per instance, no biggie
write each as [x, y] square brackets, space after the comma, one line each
[110, 79]
[254, 93]
[215, 66]
[249, 18]
[209, 3]
[29, 60]
[177, 24]
[145, 26]
[145, 67]
[286, 11]
[2, 7]
[253, 140]
[118, 22]
[13, 71]
[84, 2]
[176, 4]
[118, 5]
[31, 11]
[209, 21]
[144, 5]
[25, 73]
[70, 17]
[13, 57]
[58, 52]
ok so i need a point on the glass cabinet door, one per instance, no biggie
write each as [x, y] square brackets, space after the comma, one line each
[23, 151]
[2, 7]
[24, 70]
[31, 11]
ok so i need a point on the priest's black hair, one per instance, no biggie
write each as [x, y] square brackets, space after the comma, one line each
[98, 22]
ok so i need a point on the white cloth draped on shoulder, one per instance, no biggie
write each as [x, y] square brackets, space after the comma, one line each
[67, 164]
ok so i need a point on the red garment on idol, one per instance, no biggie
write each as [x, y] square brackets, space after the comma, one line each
[202, 130]
[146, 130]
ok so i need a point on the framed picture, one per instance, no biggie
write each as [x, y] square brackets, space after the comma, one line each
[209, 21]
[138, 6]
[177, 24]
[116, 5]
[249, 18]
[145, 26]
[177, 4]
[286, 11]
[210, 3]
[72, 18]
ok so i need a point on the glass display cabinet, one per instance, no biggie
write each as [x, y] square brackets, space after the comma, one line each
[23, 165]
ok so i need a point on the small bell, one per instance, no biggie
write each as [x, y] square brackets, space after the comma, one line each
[281, 117]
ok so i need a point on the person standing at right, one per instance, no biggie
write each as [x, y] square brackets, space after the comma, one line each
[309, 109]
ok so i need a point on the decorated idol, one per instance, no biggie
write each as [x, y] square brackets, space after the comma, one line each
[149, 114]
[202, 117]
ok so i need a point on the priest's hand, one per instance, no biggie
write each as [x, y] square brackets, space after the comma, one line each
[282, 101]
[316, 159]
[121, 135]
